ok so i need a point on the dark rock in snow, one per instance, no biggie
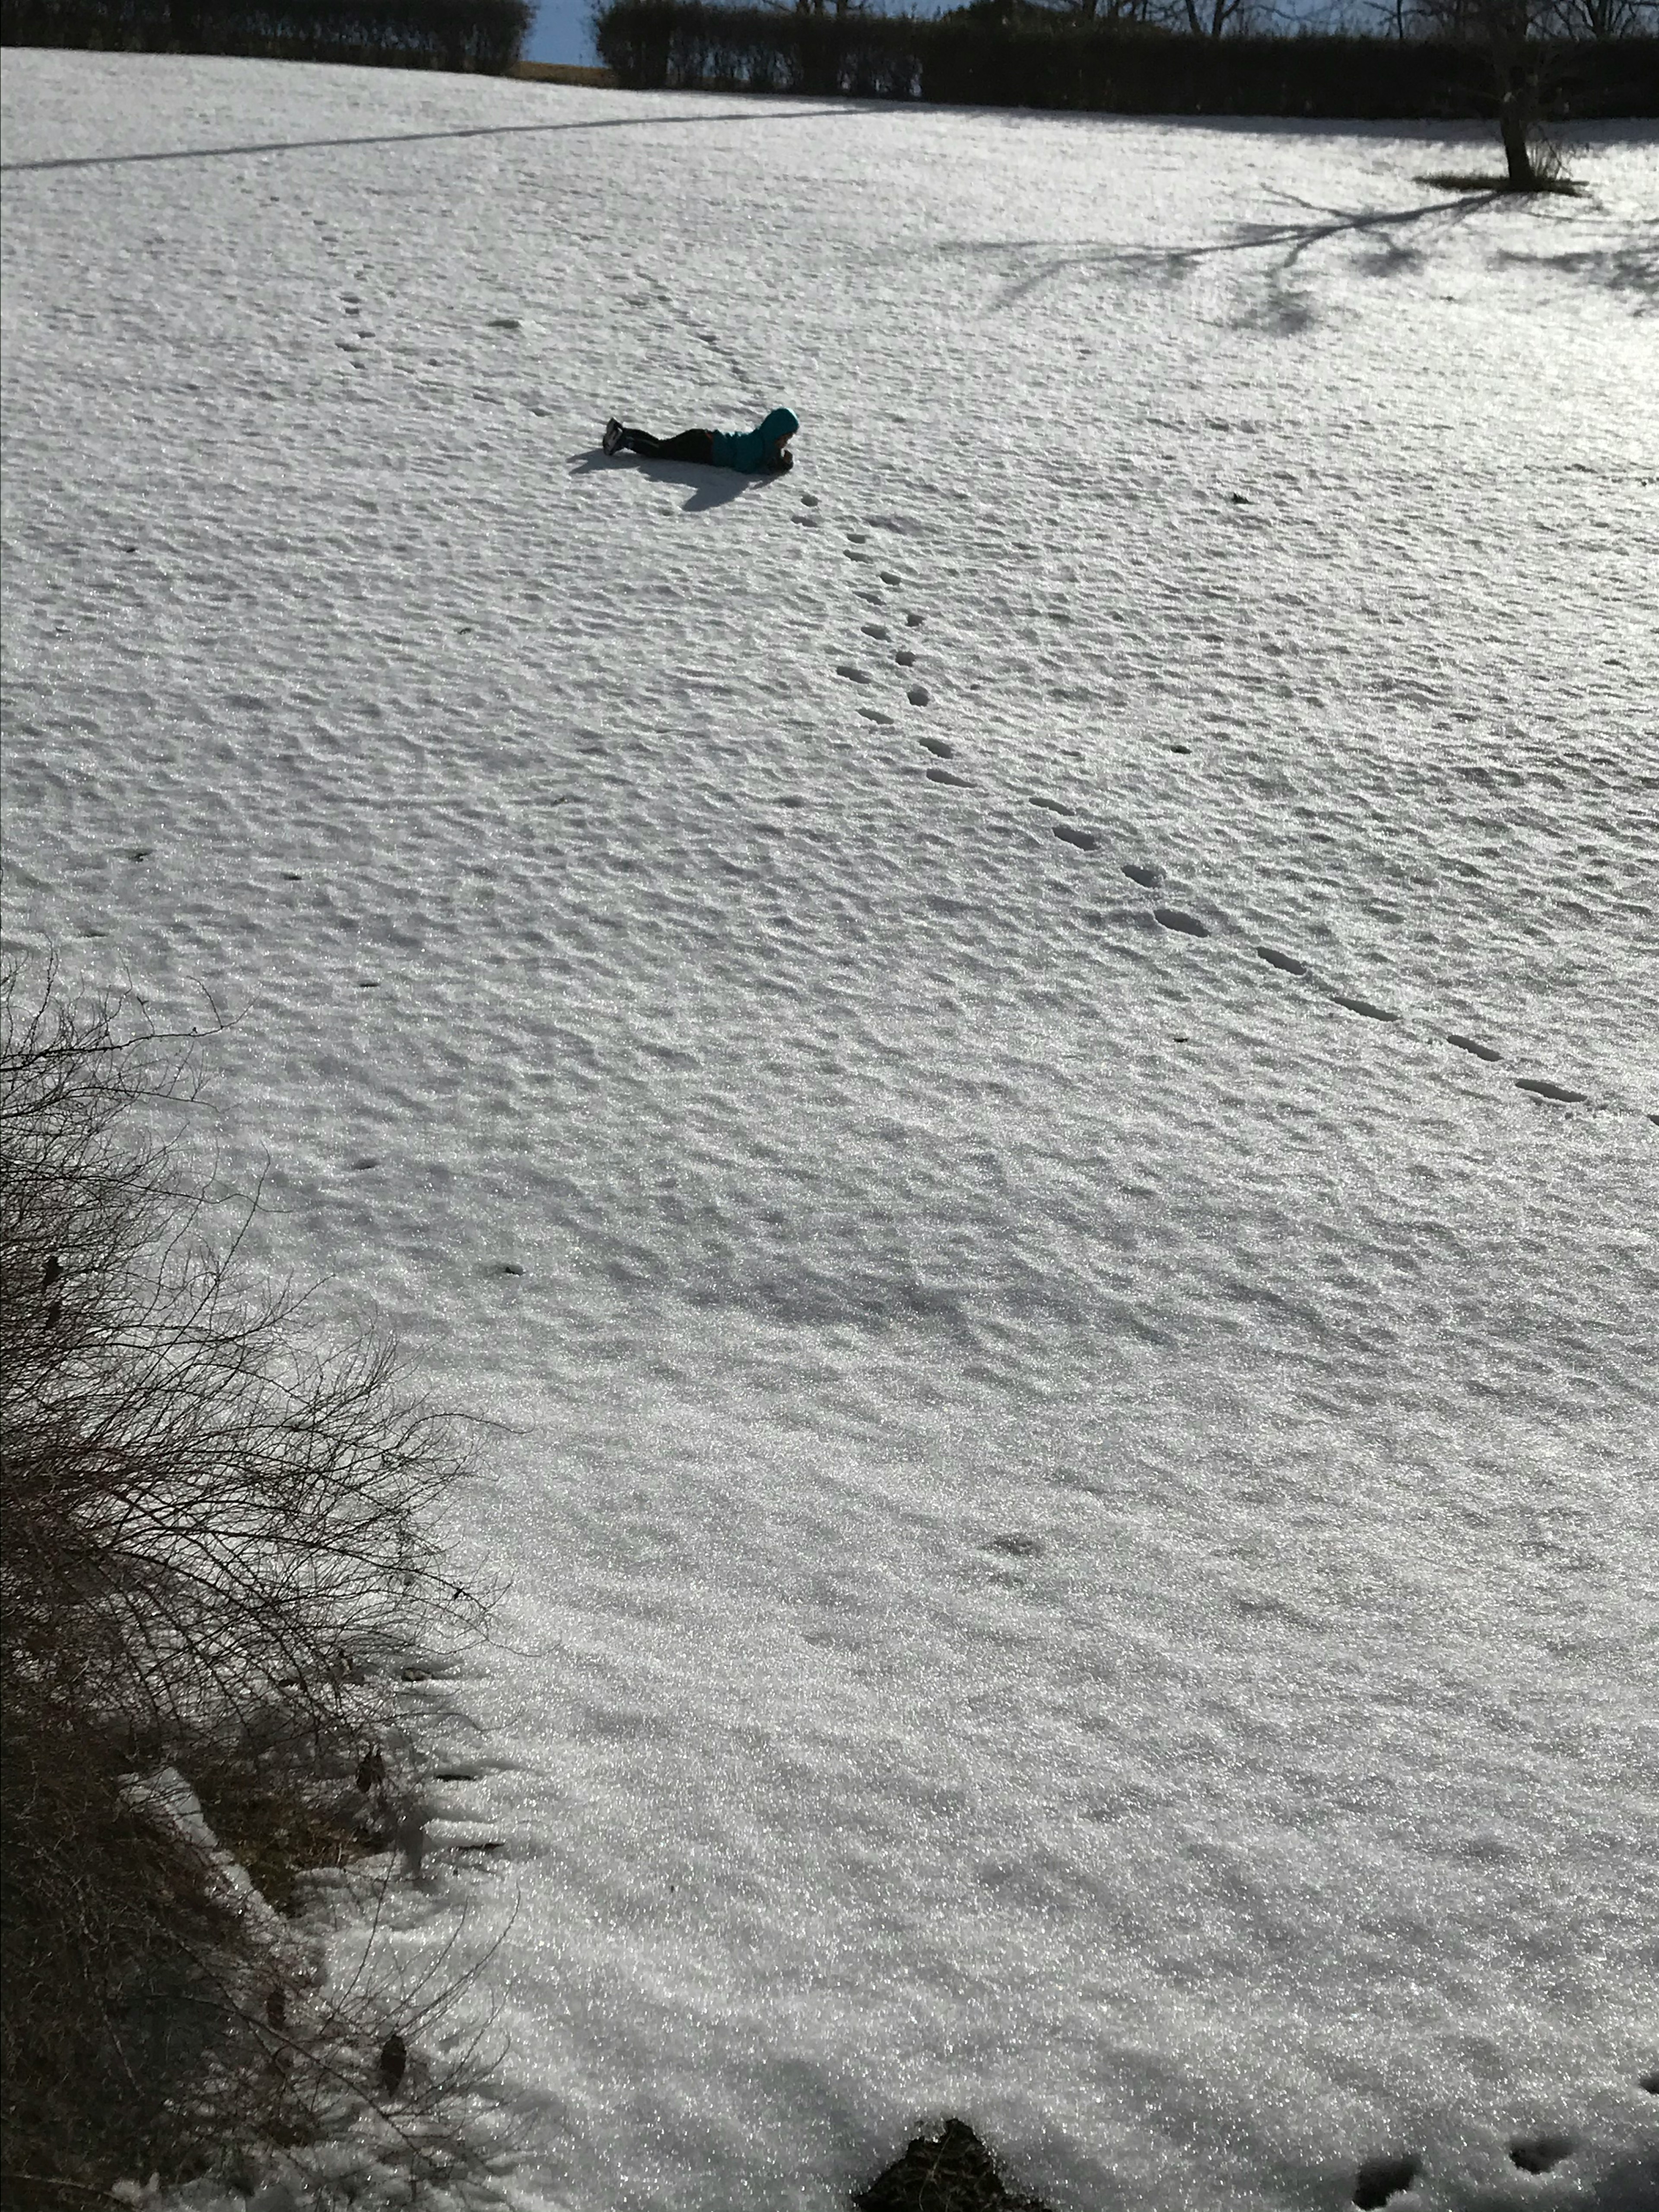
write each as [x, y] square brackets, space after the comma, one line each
[951, 2173]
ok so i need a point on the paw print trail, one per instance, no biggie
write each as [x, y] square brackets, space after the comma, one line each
[1080, 838]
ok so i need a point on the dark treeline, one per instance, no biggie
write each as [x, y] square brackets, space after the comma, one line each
[484, 35]
[1001, 56]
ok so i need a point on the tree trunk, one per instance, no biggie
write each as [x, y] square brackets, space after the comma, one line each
[1513, 119]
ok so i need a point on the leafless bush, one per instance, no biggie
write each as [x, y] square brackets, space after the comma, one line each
[217, 1546]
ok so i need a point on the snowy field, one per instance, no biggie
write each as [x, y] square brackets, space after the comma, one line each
[962, 1052]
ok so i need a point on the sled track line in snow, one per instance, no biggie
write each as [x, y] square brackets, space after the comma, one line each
[1147, 876]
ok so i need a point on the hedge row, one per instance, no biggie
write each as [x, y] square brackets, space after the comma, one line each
[1056, 61]
[482, 35]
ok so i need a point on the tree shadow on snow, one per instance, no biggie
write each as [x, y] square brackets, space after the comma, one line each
[711, 487]
[1397, 242]
[1631, 269]
[423, 137]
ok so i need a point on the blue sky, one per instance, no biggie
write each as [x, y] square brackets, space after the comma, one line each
[560, 33]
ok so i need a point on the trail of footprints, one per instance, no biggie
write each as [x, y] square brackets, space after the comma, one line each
[1380, 2179]
[1069, 831]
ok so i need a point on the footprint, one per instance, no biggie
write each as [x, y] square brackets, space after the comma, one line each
[915, 621]
[918, 695]
[1016, 1545]
[854, 554]
[875, 630]
[361, 1167]
[505, 322]
[1356, 1006]
[888, 577]
[938, 746]
[858, 537]
[1173, 918]
[944, 775]
[872, 715]
[1282, 960]
[809, 499]
[1140, 872]
[1085, 840]
[1470, 1044]
[853, 675]
[1181, 748]
[1380, 2179]
[508, 1267]
[1540, 2153]
[1053, 806]
[1540, 1089]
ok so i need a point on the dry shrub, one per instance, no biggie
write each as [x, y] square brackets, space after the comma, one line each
[217, 1550]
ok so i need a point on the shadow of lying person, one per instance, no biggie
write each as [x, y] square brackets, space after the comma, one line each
[711, 486]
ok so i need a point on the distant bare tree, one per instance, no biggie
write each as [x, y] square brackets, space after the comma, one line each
[1515, 38]
[1113, 11]
[1610, 19]
[1214, 19]
[1526, 45]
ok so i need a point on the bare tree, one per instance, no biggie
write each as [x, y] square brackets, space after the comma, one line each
[1111, 12]
[1610, 19]
[1527, 46]
[1213, 19]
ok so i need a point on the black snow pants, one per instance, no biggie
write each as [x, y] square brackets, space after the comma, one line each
[689, 445]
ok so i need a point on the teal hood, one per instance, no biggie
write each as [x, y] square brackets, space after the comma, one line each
[747, 449]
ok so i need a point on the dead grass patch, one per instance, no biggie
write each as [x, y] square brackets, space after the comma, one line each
[603, 80]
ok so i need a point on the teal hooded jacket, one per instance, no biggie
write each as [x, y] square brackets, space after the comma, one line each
[747, 449]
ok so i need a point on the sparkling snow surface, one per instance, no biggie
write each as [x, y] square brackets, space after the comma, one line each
[1078, 1479]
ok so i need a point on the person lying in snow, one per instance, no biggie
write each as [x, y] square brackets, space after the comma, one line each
[765, 449]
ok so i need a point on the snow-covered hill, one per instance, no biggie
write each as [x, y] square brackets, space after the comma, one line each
[1022, 1065]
